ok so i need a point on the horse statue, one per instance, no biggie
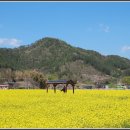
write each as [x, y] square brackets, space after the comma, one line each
[63, 89]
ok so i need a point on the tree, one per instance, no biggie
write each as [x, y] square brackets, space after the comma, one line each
[38, 77]
[52, 76]
[126, 80]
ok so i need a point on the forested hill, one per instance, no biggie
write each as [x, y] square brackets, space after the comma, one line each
[54, 56]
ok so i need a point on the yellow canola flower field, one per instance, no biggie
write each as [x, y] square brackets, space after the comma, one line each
[84, 109]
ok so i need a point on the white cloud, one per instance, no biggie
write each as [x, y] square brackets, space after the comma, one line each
[10, 42]
[104, 28]
[125, 48]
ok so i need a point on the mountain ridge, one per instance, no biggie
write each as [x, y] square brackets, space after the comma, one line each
[55, 56]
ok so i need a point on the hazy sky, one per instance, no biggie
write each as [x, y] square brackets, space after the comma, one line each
[99, 26]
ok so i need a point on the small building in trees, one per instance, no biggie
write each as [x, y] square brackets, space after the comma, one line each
[4, 86]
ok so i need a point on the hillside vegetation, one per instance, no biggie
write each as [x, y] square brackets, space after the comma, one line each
[52, 56]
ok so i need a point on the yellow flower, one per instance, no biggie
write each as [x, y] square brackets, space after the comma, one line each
[84, 109]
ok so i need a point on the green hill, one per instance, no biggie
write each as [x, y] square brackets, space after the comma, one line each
[54, 56]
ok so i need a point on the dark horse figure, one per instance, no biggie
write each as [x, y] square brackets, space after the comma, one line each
[63, 89]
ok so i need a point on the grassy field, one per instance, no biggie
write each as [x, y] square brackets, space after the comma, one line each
[84, 109]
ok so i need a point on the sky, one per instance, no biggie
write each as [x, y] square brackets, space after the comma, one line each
[98, 26]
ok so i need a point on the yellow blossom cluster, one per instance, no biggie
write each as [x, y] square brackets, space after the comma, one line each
[83, 109]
